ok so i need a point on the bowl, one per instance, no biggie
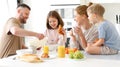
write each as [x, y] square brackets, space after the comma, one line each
[23, 51]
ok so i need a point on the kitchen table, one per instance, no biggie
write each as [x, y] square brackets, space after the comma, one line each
[88, 61]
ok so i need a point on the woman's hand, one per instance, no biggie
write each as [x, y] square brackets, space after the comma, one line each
[72, 35]
[78, 31]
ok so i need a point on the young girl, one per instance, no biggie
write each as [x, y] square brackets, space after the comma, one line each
[55, 33]
[109, 39]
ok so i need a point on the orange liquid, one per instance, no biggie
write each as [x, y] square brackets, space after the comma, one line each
[46, 49]
[61, 51]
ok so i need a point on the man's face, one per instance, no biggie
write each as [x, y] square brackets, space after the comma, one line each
[24, 14]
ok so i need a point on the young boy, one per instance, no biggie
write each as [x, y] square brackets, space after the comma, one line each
[109, 40]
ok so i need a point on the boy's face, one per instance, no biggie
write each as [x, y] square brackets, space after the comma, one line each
[91, 17]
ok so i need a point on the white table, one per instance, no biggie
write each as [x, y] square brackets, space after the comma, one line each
[88, 61]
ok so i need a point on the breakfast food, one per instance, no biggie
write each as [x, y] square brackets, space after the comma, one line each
[30, 58]
[76, 55]
[60, 30]
[44, 55]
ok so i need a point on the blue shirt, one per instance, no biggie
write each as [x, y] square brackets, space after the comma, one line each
[111, 37]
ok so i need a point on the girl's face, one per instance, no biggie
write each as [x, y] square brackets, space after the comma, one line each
[53, 22]
[79, 19]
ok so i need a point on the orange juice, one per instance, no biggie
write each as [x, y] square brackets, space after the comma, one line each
[61, 51]
[46, 49]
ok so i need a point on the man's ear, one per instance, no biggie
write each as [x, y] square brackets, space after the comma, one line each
[18, 10]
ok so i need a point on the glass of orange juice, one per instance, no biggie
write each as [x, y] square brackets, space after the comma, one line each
[61, 51]
[45, 49]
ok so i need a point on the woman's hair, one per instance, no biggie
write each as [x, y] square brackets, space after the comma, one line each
[82, 9]
[56, 15]
[97, 9]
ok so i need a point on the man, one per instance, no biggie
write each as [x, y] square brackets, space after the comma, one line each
[12, 37]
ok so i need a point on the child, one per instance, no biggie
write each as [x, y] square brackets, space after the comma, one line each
[109, 40]
[55, 33]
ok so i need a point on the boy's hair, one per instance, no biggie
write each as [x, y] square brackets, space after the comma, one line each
[24, 6]
[56, 15]
[82, 9]
[97, 9]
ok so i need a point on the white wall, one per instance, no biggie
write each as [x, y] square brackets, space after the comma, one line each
[39, 11]
[38, 16]
[103, 1]
[7, 9]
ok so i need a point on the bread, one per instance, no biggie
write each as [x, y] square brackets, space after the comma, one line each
[30, 58]
[44, 55]
[60, 30]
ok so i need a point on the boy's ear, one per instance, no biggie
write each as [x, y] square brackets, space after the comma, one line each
[94, 15]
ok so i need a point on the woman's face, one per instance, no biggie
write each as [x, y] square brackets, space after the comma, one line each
[79, 19]
[53, 22]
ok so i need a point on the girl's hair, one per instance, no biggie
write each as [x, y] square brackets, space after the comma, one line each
[56, 15]
[97, 9]
[82, 9]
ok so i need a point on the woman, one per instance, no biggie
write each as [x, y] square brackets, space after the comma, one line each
[84, 32]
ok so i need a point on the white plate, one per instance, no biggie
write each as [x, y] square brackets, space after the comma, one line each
[50, 57]
[78, 59]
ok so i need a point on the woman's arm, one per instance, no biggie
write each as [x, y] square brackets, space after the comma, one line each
[81, 36]
[99, 42]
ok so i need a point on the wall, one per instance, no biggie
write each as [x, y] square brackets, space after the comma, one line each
[8, 8]
[38, 14]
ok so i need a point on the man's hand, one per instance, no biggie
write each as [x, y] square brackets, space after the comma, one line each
[40, 36]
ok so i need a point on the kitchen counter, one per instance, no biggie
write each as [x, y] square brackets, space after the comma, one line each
[88, 61]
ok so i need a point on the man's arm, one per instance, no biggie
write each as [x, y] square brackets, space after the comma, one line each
[22, 33]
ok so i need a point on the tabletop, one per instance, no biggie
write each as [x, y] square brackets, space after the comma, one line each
[88, 61]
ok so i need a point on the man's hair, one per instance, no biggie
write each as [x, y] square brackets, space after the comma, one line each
[24, 6]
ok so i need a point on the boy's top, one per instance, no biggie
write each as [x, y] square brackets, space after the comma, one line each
[111, 37]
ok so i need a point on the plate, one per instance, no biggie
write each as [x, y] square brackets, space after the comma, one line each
[50, 57]
[78, 59]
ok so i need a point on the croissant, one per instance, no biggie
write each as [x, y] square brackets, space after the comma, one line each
[60, 30]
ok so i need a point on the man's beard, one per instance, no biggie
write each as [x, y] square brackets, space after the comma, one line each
[22, 19]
